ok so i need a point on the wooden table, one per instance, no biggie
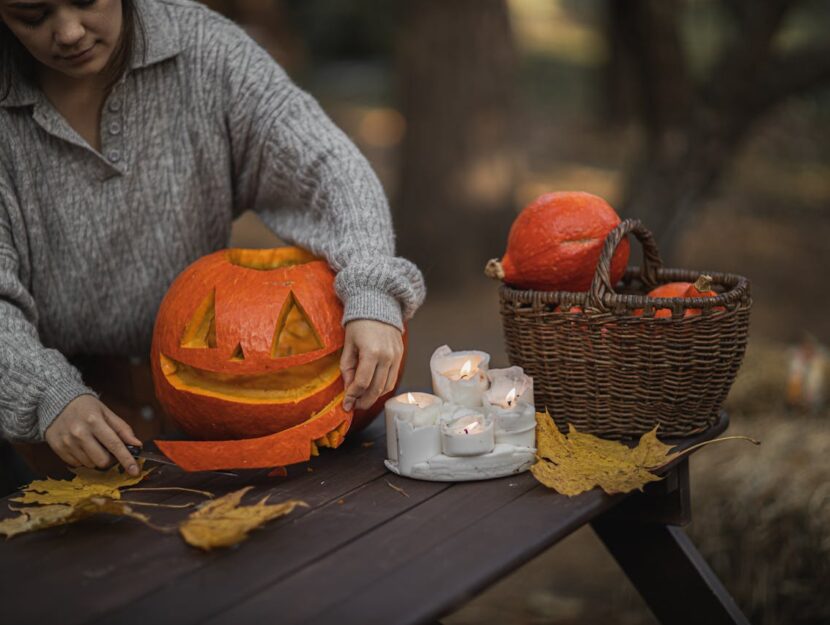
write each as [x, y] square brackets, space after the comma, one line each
[362, 553]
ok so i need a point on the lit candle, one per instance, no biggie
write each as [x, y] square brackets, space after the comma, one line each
[417, 408]
[459, 377]
[467, 434]
[509, 401]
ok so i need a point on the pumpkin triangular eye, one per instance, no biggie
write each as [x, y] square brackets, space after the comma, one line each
[201, 329]
[238, 354]
[294, 334]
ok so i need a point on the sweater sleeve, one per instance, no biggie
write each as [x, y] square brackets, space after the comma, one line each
[36, 383]
[313, 187]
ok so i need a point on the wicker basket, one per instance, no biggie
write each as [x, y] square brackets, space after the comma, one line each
[617, 374]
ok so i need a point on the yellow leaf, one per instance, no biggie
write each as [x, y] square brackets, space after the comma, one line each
[578, 462]
[41, 517]
[31, 519]
[86, 483]
[223, 523]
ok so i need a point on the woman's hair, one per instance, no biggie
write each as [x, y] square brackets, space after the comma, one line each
[12, 49]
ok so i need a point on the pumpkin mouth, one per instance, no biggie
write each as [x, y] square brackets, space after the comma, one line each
[265, 260]
[293, 384]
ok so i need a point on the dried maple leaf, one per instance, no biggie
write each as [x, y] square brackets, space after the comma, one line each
[86, 483]
[223, 522]
[40, 517]
[578, 462]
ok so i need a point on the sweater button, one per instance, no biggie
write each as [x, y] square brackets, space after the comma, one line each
[114, 105]
[115, 127]
[114, 156]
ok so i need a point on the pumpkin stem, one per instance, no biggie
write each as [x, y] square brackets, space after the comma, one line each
[494, 269]
[703, 283]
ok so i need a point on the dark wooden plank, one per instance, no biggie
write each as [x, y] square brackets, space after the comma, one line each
[276, 555]
[669, 572]
[453, 571]
[364, 562]
[89, 568]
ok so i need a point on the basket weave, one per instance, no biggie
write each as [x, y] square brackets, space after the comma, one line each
[616, 374]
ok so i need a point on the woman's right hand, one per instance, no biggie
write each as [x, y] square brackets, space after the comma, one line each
[87, 433]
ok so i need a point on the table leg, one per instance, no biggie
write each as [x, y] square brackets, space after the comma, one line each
[661, 560]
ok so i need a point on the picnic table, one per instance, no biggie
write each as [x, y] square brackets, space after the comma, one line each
[371, 548]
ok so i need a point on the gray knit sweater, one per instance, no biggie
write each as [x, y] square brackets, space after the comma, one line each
[202, 126]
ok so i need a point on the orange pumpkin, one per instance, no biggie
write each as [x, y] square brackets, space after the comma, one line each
[701, 288]
[246, 354]
[555, 243]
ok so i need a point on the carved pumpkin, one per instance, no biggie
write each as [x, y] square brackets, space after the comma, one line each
[246, 353]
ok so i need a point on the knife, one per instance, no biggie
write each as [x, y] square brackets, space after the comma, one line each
[152, 456]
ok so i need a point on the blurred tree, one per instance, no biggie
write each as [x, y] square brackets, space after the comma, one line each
[457, 67]
[695, 124]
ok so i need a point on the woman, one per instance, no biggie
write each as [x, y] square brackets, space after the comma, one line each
[134, 131]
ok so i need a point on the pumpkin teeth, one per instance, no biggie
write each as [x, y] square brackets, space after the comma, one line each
[322, 442]
[314, 450]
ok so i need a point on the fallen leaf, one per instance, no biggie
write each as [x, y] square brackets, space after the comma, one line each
[86, 483]
[223, 522]
[41, 517]
[578, 462]
[31, 519]
[367, 444]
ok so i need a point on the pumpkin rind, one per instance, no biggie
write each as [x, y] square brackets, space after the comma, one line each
[296, 444]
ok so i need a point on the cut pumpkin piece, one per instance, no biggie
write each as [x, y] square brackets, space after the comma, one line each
[296, 444]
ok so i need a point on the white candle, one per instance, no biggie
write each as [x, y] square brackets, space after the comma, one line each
[417, 408]
[459, 377]
[416, 443]
[470, 434]
[509, 402]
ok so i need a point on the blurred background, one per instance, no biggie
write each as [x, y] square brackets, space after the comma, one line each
[709, 120]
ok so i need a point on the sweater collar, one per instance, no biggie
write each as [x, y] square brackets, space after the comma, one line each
[156, 38]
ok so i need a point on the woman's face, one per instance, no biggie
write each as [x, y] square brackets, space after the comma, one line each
[74, 37]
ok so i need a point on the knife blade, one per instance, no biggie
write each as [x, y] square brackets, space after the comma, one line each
[152, 456]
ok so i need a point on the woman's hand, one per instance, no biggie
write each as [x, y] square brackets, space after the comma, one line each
[370, 363]
[86, 432]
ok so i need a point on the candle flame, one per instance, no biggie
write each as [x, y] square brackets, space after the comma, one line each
[472, 428]
[467, 369]
[410, 399]
[511, 397]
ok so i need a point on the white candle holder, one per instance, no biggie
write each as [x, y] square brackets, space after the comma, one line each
[430, 442]
[416, 408]
[459, 377]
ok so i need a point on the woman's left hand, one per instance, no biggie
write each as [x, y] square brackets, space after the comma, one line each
[370, 362]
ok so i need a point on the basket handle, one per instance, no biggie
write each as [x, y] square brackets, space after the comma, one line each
[601, 287]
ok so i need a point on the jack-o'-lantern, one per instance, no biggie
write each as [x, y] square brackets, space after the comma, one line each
[246, 356]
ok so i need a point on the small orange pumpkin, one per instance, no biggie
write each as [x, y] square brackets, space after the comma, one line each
[555, 243]
[702, 287]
